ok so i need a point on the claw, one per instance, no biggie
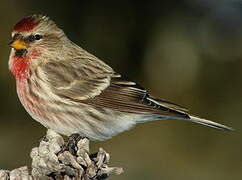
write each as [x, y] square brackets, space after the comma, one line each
[71, 145]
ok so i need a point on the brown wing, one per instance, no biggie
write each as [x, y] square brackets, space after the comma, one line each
[77, 79]
[92, 82]
[170, 105]
[127, 96]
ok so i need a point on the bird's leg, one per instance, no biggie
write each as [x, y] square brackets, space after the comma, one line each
[93, 155]
[43, 139]
[71, 144]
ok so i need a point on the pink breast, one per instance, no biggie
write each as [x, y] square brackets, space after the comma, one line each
[20, 66]
[31, 103]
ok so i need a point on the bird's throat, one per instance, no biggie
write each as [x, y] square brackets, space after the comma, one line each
[19, 66]
[20, 62]
[21, 52]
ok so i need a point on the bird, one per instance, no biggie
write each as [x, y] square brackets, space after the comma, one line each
[71, 91]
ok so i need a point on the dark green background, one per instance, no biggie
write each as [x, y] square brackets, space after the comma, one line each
[188, 52]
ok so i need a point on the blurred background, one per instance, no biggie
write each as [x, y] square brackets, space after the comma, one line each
[184, 51]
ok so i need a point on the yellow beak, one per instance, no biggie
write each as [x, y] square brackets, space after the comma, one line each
[18, 45]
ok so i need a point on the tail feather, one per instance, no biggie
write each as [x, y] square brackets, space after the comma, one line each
[176, 112]
[209, 123]
[190, 118]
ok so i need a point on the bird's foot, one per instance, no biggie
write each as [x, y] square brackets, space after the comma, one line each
[44, 138]
[71, 144]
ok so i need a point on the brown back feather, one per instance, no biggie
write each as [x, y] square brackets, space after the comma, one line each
[92, 82]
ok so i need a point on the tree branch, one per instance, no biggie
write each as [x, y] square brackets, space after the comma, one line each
[57, 159]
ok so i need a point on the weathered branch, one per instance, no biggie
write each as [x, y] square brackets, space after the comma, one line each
[57, 159]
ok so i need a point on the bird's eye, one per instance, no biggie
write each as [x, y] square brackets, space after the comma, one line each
[37, 36]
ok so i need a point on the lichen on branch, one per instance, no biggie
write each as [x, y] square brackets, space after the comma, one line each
[57, 159]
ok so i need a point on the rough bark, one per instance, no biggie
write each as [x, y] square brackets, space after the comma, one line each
[57, 159]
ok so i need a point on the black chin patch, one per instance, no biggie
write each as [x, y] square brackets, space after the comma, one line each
[20, 52]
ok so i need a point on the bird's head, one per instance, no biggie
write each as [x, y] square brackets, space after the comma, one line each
[36, 32]
[36, 39]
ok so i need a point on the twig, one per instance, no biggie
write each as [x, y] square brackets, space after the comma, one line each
[56, 159]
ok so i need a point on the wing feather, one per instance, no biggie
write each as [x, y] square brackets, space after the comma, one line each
[95, 83]
[76, 79]
[127, 96]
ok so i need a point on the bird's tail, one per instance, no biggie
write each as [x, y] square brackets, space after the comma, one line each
[176, 112]
[189, 118]
[208, 123]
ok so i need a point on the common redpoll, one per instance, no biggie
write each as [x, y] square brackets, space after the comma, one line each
[69, 90]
